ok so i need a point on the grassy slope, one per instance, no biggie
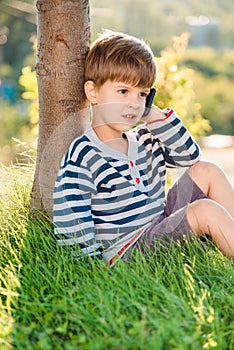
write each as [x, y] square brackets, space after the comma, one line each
[177, 299]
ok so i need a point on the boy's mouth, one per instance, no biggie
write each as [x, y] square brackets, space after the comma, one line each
[129, 116]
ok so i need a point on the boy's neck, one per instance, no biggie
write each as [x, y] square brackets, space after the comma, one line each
[112, 138]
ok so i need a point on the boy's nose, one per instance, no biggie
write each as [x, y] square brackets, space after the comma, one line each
[133, 101]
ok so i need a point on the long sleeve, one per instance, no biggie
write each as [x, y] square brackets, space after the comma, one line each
[72, 208]
[178, 146]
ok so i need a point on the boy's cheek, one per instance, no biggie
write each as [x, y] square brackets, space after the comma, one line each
[114, 112]
[116, 108]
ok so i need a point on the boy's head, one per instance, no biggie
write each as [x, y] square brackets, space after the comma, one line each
[120, 57]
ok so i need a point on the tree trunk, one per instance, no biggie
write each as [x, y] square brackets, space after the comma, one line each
[62, 42]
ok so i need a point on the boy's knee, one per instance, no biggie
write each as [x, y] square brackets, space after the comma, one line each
[202, 207]
[205, 174]
[204, 168]
[200, 213]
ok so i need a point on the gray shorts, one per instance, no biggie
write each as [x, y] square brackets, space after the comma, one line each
[173, 225]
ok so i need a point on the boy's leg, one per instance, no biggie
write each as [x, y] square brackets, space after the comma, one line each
[214, 183]
[214, 216]
[208, 216]
[188, 209]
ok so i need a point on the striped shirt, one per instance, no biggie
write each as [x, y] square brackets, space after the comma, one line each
[104, 200]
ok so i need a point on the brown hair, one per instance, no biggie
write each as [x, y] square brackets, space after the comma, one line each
[120, 57]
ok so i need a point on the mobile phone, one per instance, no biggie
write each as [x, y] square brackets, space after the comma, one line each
[149, 101]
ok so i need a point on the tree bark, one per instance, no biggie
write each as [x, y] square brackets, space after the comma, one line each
[62, 43]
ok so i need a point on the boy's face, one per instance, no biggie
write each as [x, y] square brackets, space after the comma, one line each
[116, 105]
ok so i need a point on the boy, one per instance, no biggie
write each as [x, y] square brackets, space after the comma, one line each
[109, 196]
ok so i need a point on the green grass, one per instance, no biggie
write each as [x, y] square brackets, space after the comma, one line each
[181, 298]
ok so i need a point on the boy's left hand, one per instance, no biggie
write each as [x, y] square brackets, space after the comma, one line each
[154, 115]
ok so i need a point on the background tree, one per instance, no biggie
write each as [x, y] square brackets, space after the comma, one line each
[63, 39]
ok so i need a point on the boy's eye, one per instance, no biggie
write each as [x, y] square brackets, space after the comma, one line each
[143, 94]
[123, 91]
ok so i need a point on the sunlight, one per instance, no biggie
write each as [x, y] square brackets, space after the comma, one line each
[217, 141]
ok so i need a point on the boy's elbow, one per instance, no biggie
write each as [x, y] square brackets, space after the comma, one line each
[197, 154]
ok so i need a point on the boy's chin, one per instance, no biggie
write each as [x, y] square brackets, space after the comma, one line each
[122, 128]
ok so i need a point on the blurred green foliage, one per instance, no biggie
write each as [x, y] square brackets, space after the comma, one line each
[29, 82]
[213, 85]
[19, 121]
[19, 31]
[14, 125]
[176, 88]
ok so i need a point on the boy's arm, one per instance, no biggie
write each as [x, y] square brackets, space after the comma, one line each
[72, 215]
[179, 147]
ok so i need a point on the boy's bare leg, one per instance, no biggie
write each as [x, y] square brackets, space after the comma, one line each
[207, 216]
[214, 216]
[214, 183]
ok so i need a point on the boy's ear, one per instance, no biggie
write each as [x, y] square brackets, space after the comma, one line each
[91, 91]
